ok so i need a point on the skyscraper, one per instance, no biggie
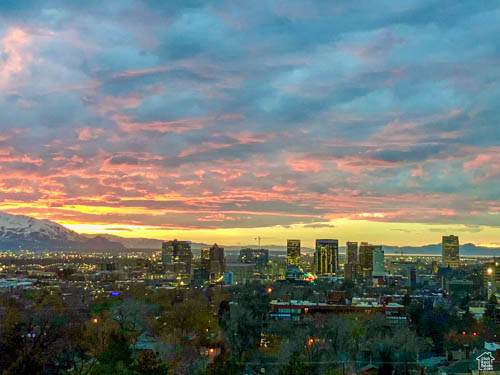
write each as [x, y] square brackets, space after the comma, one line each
[378, 261]
[366, 258]
[352, 252]
[214, 262]
[326, 257]
[451, 251]
[351, 265]
[292, 252]
[177, 257]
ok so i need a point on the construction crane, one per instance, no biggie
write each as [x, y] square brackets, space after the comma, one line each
[258, 238]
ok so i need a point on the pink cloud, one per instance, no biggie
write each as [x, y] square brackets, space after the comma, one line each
[304, 165]
[127, 124]
[17, 55]
[88, 133]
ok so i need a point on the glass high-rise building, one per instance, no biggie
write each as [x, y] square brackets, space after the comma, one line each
[326, 257]
[293, 252]
[213, 261]
[450, 251]
[378, 261]
[352, 252]
[177, 259]
[366, 259]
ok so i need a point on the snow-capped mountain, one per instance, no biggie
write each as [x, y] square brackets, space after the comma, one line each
[24, 232]
[15, 226]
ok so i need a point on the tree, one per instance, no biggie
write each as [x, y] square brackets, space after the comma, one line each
[117, 359]
[297, 366]
[32, 337]
[241, 329]
[491, 308]
[464, 303]
[148, 363]
[406, 300]
[223, 365]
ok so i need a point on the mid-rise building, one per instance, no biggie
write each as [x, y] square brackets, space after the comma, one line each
[378, 261]
[213, 261]
[259, 257]
[326, 257]
[177, 259]
[293, 252]
[450, 251]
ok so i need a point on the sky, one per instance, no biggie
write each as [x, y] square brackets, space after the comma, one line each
[220, 121]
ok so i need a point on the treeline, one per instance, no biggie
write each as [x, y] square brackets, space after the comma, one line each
[216, 331]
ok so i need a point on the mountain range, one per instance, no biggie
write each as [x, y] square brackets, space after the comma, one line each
[18, 232]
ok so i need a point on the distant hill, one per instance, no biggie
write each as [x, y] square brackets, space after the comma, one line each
[468, 249]
[24, 232]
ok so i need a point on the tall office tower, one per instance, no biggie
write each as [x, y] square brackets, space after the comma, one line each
[326, 257]
[352, 252]
[451, 251]
[292, 252]
[378, 261]
[177, 258]
[491, 277]
[366, 259]
[217, 262]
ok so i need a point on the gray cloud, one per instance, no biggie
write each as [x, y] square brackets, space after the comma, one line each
[272, 113]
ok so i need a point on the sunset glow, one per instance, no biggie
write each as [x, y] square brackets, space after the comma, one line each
[202, 123]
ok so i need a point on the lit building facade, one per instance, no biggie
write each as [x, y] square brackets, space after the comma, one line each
[378, 261]
[177, 259]
[213, 261]
[450, 251]
[352, 252]
[366, 259]
[292, 252]
[260, 257]
[492, 277]
[326, 257]
[351, 265]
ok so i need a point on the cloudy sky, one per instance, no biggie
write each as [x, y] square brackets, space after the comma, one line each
[225, 120]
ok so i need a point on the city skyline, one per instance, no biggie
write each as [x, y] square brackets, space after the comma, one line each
[210, 123]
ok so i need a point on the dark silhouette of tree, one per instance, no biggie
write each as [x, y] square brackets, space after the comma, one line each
[297, 366]
[491, 308]
[406, 300]
[148, 363]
